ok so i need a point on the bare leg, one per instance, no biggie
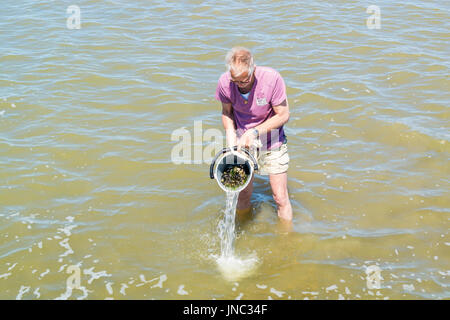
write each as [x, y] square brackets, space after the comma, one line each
[278, 183]
[244, 205]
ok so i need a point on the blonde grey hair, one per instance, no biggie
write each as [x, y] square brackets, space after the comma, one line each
[239, 60]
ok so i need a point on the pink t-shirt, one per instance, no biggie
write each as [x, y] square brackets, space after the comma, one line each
[268, 90]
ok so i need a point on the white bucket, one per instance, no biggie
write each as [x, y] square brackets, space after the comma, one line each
[227, 158]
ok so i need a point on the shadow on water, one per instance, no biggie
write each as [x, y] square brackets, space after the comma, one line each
[264, 210]
[261, 194]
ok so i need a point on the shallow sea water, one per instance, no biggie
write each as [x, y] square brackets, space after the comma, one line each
[87, 183]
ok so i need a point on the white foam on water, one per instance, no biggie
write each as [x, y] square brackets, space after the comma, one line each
[22, 291]
[162, 278]
[313, 293]
[44, 273]
[65, 244]
[122, 289]
[181, 290]
[408, 287]
[142, 277]
[12, 267]
[85, 292]
[66, 295]
[67, 230]
[95, 275]
[234, 268]
[62, 268]
[279, 294]
[332, 287]
[109, 287]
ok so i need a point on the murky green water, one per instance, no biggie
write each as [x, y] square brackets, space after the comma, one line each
[87, 180]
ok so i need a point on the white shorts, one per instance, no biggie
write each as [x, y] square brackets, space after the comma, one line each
[273, 161]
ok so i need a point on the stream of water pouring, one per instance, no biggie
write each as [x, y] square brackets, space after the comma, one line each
[226, 226]
[232, 267]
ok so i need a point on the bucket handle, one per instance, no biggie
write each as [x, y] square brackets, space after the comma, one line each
[224, 150]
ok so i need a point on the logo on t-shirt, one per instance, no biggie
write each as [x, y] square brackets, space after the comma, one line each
[261, 101]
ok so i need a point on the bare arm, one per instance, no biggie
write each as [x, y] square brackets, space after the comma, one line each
[228, 124]
[280, 118]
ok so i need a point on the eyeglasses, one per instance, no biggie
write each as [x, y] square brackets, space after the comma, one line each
[249, 78]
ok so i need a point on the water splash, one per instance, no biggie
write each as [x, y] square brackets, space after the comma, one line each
[230, 265]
